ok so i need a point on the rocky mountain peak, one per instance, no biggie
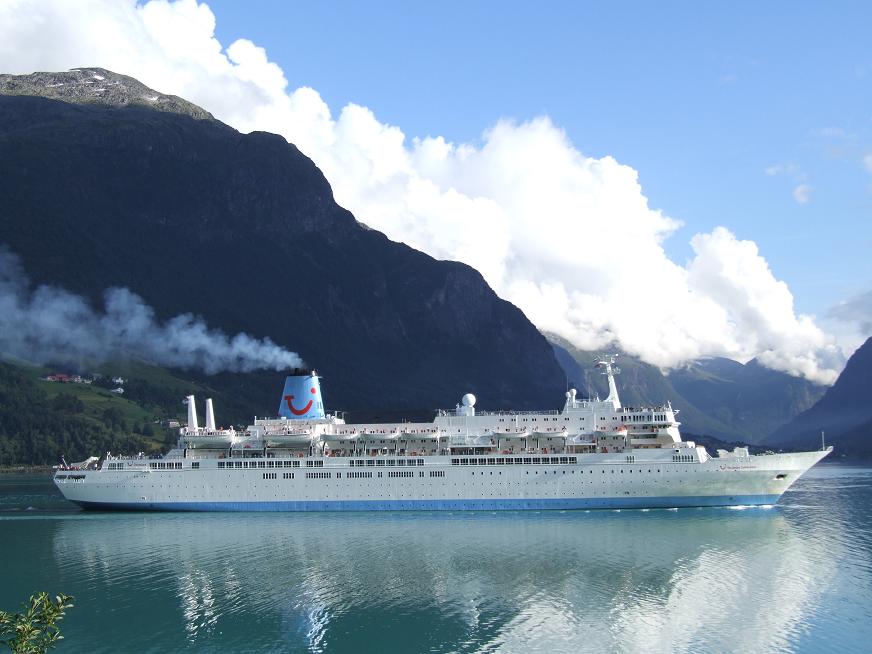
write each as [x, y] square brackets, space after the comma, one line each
[97, 86]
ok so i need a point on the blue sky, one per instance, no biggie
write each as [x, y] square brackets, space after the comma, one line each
[701, 99]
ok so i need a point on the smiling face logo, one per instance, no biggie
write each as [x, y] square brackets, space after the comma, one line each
[299, 412]
[301, 398]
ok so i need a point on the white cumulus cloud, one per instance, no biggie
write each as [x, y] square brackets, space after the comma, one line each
[802, 193]
[570, 239]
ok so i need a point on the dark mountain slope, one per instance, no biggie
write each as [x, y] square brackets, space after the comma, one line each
[243, 230]
[844, 412]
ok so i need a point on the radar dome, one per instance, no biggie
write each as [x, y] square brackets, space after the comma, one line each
[468, 399]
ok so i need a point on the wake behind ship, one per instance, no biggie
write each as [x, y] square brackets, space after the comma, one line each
[592, 454]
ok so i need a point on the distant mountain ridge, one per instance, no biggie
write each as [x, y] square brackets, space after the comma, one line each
[717, 397]
[244, 231]
[844, 412]
[751, 399]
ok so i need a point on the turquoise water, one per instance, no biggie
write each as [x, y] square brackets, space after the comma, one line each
[792, 578]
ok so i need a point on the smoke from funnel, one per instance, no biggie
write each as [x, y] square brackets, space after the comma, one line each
[49, 324]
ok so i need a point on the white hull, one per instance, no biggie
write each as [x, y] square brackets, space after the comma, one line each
[299, 484]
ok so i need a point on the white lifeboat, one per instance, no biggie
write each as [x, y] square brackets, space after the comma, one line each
[209, 439]
[288, 438]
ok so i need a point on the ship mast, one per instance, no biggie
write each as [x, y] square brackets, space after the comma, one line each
[607, 363]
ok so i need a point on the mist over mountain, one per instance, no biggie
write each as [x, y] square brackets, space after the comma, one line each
[844, 412]
[243, 231]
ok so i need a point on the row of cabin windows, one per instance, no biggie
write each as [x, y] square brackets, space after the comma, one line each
[165, 465]
[657, 417]
[359, 463]
[319, 475]
[682, 458]
[269, 475]
[358, 475]
[512, 461]
[401, 473]
[255, 464]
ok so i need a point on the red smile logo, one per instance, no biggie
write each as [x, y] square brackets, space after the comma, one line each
[298, 412]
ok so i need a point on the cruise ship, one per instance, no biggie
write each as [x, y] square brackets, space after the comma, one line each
[593, 454]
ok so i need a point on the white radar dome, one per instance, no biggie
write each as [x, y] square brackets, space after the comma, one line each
[468, 399]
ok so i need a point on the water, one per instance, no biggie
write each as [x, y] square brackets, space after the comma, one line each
[792, 578]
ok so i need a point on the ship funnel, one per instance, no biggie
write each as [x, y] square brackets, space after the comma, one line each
[192, 414]
[210, 416]
[301, 398]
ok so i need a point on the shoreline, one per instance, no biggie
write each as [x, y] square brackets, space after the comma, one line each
[23, 469]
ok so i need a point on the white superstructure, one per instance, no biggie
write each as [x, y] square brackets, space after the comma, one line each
[592, 454]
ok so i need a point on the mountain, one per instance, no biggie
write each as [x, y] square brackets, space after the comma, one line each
[112, 188]
[844, 412]
[752, 399]
[717, 397]
[98, 86]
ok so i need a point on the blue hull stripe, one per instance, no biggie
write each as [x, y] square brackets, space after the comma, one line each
[444, 505]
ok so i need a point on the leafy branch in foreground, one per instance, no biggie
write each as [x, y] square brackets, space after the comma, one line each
[35, 630]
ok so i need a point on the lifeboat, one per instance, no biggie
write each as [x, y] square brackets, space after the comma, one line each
[347, 437]
[220, 439]
[421, 436]
[514, 434]
[288, 438]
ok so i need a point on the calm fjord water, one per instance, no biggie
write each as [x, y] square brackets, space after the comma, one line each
[792, 578]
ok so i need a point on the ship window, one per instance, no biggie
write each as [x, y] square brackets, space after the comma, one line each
[220, 464]
[528, 461]
[537, 460]
[239, 464]
[370, 462]
[420, 462]
[195, 465]
[491, 462]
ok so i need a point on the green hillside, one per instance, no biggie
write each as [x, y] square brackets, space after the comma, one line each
[41, 421]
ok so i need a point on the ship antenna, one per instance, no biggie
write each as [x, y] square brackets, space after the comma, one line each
[607, 363]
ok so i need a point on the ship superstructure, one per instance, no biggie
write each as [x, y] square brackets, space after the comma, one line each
[591, 454]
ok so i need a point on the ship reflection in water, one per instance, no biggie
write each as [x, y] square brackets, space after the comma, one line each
[689, 580]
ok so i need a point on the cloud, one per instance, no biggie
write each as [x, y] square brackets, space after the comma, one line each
[857, 310]
[570, 239]
[782, 168]
[802, 193]
[51, 325]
